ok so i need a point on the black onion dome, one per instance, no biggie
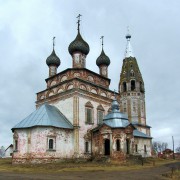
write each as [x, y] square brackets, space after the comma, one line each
[103, 59]
[53, 59]
[79, 45]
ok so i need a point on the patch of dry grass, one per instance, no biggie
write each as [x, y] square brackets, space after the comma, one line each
[6, 166]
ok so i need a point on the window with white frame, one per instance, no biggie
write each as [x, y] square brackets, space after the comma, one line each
[89, 113]
[100, 114]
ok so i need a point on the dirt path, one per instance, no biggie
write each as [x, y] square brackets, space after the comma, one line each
[154, 173]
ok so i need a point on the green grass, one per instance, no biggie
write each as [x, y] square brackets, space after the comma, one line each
[6, 166]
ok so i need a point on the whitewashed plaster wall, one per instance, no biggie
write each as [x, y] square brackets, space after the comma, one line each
[37, 145]
[66, 107]
[82, 117]
[141, 142]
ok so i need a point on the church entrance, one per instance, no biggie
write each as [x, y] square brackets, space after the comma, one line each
[107, 147]
[127, 146]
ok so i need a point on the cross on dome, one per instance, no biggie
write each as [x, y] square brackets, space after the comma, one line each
[78, 22]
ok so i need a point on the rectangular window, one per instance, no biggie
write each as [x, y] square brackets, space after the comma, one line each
[88, 115]
[86, 147]
[136, 148]
[100, 117]
[145, 150]
[16, 145]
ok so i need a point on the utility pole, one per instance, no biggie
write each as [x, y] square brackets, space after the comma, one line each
[173, 147]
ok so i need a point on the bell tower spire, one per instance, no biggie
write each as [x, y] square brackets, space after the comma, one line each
[128, 51]
[131, 87]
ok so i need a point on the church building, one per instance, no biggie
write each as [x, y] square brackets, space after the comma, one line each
[78, 116]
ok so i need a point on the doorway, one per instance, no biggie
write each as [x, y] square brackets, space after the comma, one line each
[107, 147]
[127, 146]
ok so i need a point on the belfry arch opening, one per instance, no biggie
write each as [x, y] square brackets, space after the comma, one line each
[124, 87]
[133, 85]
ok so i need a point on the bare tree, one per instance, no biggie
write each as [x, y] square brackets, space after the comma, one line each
[155, 146]
[159, 146]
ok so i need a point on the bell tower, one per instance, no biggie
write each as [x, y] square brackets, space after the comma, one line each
[131, 88]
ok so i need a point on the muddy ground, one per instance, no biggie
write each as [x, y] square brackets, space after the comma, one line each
[151, 173]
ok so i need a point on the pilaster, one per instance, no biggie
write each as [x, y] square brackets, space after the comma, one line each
[76, 125]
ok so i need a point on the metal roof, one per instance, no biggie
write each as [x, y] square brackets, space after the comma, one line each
[116, 115]
[117, 123]
[115, 118]
[138, 124]
[46, 115]
[137, 133]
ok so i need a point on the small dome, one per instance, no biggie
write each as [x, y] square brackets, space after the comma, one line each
[128, 36]
[115, 105]
[79, 45]
[103, 59]
[53, 59]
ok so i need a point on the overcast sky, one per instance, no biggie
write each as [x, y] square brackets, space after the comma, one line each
[26, 32]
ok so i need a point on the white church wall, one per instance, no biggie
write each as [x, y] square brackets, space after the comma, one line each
[141, 143]
[143, 130]
[84, 127]
[66, 107]
[34, 143]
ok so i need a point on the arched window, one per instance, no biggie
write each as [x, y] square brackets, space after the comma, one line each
[100, 114]
[133, 85]
[50, 143]
[89, 113]
[124, 87]
[118, 145]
